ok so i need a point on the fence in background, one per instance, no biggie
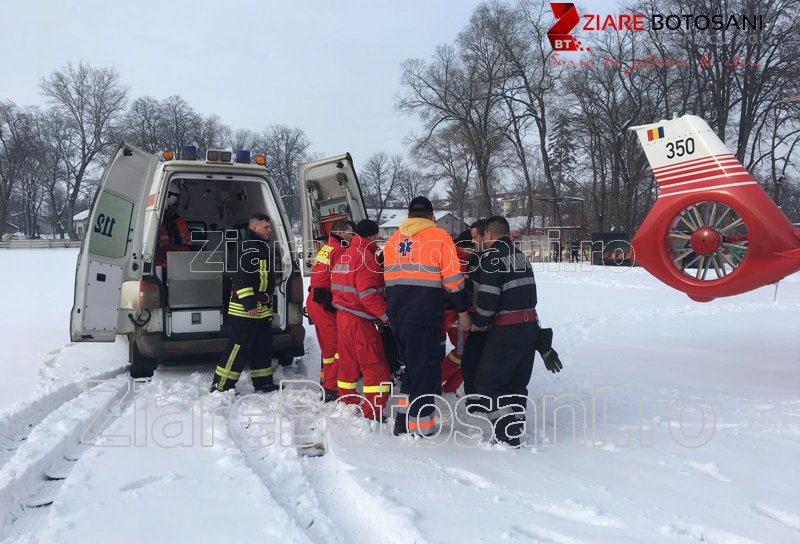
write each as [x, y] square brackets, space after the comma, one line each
[35, 244]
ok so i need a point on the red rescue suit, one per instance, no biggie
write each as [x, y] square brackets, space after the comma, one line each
[357, 285]
[451, 364]
[319, 298]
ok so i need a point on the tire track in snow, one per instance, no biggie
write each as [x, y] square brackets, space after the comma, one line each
[318, 493]
[30, 480]
[18, 423]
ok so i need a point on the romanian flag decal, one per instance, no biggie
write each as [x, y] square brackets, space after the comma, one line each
[655, 133]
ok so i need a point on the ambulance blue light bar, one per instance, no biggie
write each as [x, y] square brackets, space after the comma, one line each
[243, 156]
[189, 153]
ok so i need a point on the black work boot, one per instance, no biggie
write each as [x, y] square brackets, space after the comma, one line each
[268, 388]
[508, 429]
[330, 395]
[400, 425]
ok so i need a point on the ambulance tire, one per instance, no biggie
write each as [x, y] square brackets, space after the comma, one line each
[141, 365]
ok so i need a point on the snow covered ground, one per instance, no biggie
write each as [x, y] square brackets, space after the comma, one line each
[686, 428]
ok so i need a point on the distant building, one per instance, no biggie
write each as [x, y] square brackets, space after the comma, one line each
[79, 222]
[444, 219]
[42, 227]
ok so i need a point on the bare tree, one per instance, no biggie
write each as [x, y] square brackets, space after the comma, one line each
[211, 133]
[446, 157]
[286, 148]
[456, 91]
[181, 123]
[144, 125]
[55, 133]
[92, 100]
[243, 139]
[379, 180]
[16, 152]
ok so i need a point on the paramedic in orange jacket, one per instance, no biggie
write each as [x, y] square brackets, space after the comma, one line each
[421, 267]
[319, 303]
[357, 286]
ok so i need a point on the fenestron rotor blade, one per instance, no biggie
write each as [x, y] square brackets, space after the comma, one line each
[731, 225]
[680, 256]
[683, 217]
[722, 217]
[700, 267]
[697, 215]
[714, 262]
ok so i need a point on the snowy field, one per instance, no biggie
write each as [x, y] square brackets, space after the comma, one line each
[686, 428]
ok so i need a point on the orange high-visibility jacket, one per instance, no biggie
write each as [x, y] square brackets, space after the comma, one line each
[421, 267]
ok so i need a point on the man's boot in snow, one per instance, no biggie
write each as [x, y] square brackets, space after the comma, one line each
[508, 430]
[400, 425]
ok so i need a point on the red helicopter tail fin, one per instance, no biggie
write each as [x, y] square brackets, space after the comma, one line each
[713, 231]
[686, 157]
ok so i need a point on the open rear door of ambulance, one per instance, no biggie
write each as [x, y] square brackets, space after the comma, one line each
[330, 191]
[110, 252]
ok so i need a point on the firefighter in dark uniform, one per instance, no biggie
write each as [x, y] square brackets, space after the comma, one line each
[250, 310]
[473, 346]
[505, 307]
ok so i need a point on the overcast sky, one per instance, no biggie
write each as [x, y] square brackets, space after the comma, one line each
[330, 67]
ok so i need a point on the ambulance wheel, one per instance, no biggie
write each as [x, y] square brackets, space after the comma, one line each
[141, 365]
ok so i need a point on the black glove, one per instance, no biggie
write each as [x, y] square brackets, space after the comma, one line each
[551, 361]
[544, 345]
[324, 298]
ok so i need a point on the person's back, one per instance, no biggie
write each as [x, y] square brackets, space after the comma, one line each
[420, 265]
[357, 285]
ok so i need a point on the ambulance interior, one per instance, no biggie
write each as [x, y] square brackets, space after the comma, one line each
[196, 282]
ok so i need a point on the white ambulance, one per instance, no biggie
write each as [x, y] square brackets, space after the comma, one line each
[177, 307]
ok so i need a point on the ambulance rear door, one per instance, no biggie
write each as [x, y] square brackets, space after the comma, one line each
[111, 250]
[330, 191]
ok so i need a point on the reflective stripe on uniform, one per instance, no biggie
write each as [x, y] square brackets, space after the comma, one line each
[236, 309]
[454, 277]
[328, 360]
[343, 288]
[415, 282]
[455, 358]
[230, 374]
[261, 372]
[347, 385]
[263, 275]
[422, 424]
[365, 293]
[245, 292]
[227, 369]
[518, 283]
[491, 289]
[355, 312]
[412, 267]
[383, 388]
[402, 405]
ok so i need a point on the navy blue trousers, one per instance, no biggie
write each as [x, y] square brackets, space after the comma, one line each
[421, 348]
